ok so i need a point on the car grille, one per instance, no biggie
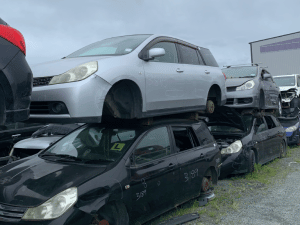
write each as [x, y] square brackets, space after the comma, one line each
[229, 101]
[11, 213]
[39, 108]
[41, 81]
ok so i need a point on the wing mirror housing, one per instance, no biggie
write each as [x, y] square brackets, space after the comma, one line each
[266, 76]
[154, 52]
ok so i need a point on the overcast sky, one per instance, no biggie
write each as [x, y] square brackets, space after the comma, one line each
[56, 28]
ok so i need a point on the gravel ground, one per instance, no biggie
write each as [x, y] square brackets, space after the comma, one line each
[240, 200]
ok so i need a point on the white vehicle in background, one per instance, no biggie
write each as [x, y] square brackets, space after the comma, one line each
[289, 86]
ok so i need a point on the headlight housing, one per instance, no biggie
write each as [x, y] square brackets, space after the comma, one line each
[292, 128]
[76, 74]
[246, 86]
[54, 207]
[233, 148]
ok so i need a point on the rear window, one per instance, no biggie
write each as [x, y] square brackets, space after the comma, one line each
[208, 58]
[188, 55]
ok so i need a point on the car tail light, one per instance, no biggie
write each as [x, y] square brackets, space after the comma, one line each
[13, 36]
[225, 76]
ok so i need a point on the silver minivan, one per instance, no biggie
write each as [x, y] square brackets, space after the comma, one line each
[127, 77]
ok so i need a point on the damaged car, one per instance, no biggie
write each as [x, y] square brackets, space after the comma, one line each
[127, 77]
[39, 140]
[246, 139]
[111, 173]
[251, 87]
[291, 126]
[289, 86]
[15, 76]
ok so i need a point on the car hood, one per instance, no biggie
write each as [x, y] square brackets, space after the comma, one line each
[234, 82]
[32, 181]
[60, 66]
[286, 88]
[37, 143]
[226, 116]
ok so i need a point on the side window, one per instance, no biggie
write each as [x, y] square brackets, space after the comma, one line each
[208, 58]
[270, 122]
[260, 125]
[188, 55]
[155, 145]
[203, 134]
[184, 139]
[171, 53]
[200, 58]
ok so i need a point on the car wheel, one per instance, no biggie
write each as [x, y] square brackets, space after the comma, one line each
[282, 150]
[251, 161]
[210, 106]
[114, 213]
[2, 108]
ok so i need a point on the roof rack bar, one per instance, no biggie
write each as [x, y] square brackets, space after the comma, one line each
[228, 66]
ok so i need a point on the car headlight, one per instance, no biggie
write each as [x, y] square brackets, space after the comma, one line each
[246, 86]
[292, 128]
[233, 148]
[78, 73]
[54, 207]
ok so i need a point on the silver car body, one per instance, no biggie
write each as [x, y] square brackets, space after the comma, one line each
[165, 88]
[251, 98]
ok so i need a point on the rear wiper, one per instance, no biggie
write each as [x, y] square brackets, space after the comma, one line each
[95, 161]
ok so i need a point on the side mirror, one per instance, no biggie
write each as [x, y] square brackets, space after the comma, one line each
[266, 76]
[155, 52]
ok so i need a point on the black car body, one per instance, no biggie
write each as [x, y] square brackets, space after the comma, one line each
[291, 126]
[15, 76]
[246, 139]
[11, 133]
[251, 87]
[116, 170]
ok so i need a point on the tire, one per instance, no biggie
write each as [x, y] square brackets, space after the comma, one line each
[282, 149]
[210, 106]
[114, 213]
[251, 162]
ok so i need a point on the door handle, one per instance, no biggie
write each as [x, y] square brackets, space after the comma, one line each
[201, 155]
[179, 70]
[207, 72]
[15, 135]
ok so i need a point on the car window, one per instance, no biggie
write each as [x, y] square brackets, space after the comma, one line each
[184, 139]
[260, 125]
[171, 53]
[155, 145]
[208, 58]
[270, 122]
[188, 55]
[203, 134]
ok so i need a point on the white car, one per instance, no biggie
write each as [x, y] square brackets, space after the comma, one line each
[127, 77]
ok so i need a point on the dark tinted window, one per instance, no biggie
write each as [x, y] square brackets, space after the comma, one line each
[155, 145]
[203, 134]
[184, 139]
[171, 52]
[270, 122]
[208, 58]
[188, 55]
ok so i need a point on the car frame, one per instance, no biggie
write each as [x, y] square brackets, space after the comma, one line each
[124, 185]
[131, 85]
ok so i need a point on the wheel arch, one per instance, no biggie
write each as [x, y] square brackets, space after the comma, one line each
[215, 92]
[211, 172]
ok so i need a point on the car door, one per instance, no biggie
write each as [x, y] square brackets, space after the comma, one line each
[270, 99]
[165, 85]
[155, 175]
[192, 162]
[197, 76]
[273, 140]
[274, 90]
[260, 139]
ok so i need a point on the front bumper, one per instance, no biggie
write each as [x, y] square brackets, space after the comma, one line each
[84, 100]
[292, 137]
[232, 163]
[242, 99]
[73, 216]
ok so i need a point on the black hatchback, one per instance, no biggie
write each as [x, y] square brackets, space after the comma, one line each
[15, 76]
[246, 139]
[117, 174]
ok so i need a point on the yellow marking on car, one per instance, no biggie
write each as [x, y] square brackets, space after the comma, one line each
[118, 146]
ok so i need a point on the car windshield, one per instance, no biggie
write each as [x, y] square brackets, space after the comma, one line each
[221, 128]
[284, 81]
[93, 144]
[111, 46]
[240, 72]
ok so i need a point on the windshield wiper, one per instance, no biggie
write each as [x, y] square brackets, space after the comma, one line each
[63, 156]
[95, 161]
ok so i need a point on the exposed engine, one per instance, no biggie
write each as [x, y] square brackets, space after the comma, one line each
[225, 142]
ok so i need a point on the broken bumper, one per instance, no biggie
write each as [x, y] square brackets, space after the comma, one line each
[232, 163]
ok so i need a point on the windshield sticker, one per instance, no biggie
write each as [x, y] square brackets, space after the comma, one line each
[128, 50]
[118, 147]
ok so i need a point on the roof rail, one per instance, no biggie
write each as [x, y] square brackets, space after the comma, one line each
[228, 66]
